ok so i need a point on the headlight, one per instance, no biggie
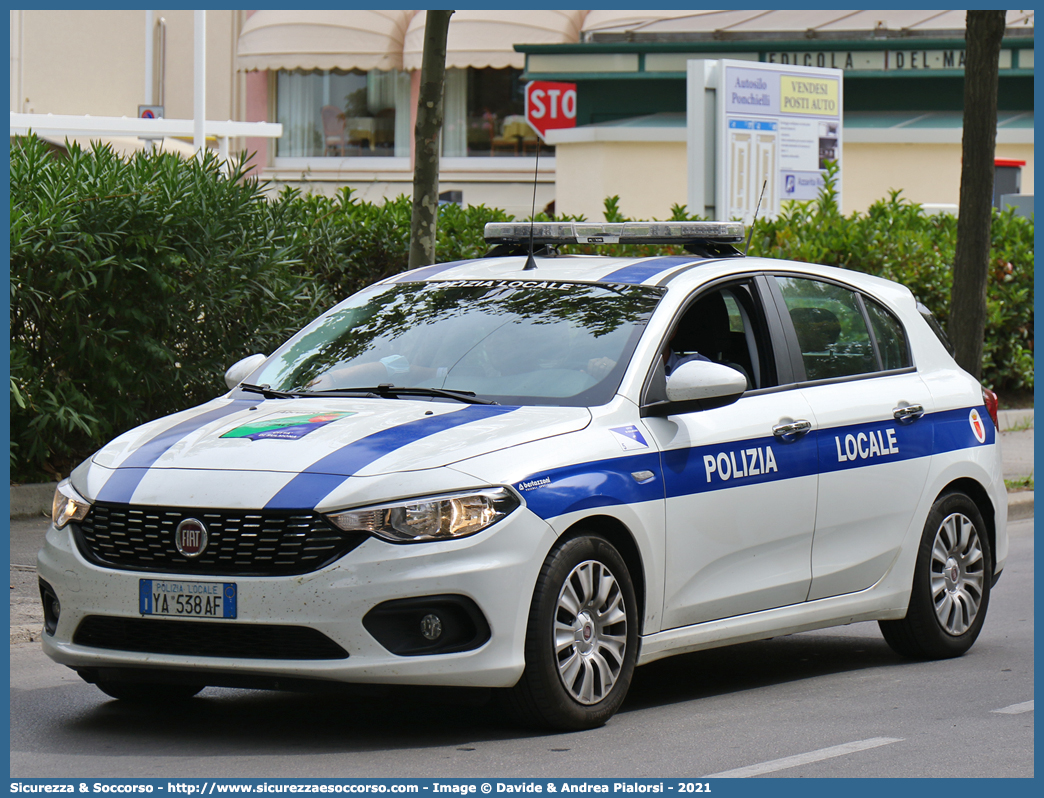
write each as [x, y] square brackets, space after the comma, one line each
[431, 518]
[68, 505]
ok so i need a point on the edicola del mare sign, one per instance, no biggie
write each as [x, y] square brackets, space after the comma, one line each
[916, 60]
[778, 126]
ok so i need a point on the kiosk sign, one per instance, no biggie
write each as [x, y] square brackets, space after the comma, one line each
[779, 127]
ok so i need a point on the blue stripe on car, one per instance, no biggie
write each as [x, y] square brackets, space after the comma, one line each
[698, 469]
[121, 485]
[731, 464]
[309, 487]
[953, 429]
[430, 271]
[587, 485]
[640, 272]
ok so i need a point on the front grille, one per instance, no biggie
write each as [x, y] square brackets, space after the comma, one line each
[206, 639]
[240, 543]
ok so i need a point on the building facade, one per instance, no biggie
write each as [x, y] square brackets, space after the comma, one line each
[344, 85]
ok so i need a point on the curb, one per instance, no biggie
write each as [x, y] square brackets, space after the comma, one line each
[1015, 418]
[1020, 505]
[28, 501]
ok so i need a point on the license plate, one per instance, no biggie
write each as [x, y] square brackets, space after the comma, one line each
[187, 599]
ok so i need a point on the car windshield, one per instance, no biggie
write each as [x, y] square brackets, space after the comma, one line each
[513, 342]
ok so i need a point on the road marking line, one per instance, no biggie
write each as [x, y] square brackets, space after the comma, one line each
[1016, 709]
[804, 759]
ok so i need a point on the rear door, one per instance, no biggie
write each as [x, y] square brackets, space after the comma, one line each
[875, 434]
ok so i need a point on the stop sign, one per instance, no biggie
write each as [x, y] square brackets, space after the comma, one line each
[550, 106]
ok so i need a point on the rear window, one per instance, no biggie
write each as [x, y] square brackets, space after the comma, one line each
[888, 332]
[933, 322]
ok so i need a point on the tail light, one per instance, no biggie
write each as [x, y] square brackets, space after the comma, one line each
[989, 398]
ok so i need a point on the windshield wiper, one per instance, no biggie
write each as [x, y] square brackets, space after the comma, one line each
[268, 391]
[388, 391]
[383, 391]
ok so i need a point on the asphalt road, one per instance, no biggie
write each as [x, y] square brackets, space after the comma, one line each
[835, 703]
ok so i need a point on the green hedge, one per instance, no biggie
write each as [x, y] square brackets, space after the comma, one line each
[353, 244]
[136, 283]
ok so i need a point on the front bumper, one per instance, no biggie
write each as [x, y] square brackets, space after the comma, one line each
[496, 569]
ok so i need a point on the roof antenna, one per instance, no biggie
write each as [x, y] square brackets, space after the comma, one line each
[530, 263]
[750, 233]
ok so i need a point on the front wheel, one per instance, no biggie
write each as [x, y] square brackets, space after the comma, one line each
[951, 587]
[581, 640]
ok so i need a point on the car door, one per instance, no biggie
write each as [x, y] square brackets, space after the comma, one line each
[740, 479]
[873, 414]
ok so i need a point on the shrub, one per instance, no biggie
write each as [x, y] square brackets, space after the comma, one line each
[134, 285]
[353, 243]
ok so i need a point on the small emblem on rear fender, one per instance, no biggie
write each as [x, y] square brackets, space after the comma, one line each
[978, 428]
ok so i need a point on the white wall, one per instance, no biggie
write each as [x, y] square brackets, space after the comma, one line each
[93, 62]
[650, 176]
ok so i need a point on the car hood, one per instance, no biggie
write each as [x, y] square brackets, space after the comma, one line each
[343, 437]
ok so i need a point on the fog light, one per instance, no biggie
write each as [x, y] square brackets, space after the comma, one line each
[431, 627]
[51, 607]
[426, 625]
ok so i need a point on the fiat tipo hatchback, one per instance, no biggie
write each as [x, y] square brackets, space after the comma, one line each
[536, 473]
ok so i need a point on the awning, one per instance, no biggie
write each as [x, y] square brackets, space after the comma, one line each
[616, 20]
[327, 40]
[487, 38]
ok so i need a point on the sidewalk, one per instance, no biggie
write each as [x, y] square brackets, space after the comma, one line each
[1016, 438]
[1016, 442]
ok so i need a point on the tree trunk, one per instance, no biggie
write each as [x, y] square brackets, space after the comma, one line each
[967, 323]
[426, 134]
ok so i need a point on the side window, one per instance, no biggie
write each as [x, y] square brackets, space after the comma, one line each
[888, 332]
[724, 325]
[830, 327]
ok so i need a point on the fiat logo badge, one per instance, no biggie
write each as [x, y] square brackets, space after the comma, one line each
[190, 538]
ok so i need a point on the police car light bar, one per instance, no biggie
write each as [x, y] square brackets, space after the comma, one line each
[614, 233]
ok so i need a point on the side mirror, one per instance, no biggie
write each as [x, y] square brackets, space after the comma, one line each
[701, 379]
[242, 369]
[699, 385]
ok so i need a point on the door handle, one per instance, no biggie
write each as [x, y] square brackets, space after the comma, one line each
[908, 414]
[791, 430]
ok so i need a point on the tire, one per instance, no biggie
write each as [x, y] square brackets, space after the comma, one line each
[147, 693]
[585, 600]
[951, 586]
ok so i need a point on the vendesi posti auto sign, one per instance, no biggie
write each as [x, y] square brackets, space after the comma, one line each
[778, 127]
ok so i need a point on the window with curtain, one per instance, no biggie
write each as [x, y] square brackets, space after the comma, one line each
[485, 115]
[343, 114]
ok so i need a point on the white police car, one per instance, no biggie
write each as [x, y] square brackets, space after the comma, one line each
[479, 473]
